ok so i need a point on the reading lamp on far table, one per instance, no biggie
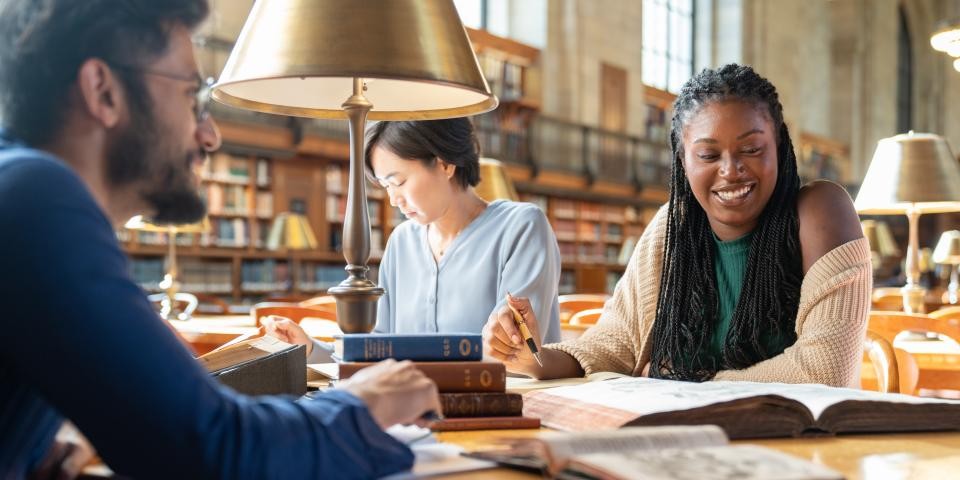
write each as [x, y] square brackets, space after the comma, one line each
[376, 59]
[170, 286]
[289, 232]
[948, 253]
[911, 173]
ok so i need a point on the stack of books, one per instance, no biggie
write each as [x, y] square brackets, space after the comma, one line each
[472, 391]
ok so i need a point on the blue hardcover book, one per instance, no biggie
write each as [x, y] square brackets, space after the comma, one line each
[423, 347]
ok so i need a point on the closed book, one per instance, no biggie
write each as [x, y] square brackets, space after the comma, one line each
[260, 366]
[458, 405]
[451, 377]
[422, 347]
[484, 423]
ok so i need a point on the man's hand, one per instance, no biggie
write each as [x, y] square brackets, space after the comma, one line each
[502, 339]
[287, 330]
[395, 392]
[67, 456]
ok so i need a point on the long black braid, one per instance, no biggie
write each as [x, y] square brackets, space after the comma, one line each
[687, 305]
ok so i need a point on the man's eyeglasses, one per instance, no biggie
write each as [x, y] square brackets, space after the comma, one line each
[201, 108]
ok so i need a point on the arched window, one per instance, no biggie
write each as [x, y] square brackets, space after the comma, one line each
[904, 76]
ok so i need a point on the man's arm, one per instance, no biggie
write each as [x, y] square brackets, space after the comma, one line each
[85, 337]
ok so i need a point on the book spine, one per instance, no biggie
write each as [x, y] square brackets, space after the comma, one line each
[485, 423]
[418, 348]
[456, 405]
[451, 377]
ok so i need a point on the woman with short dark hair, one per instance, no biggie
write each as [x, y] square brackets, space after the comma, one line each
[449, 267]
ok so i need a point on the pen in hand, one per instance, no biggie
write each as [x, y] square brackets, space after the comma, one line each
[524, 331]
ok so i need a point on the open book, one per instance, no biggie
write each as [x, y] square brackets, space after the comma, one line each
[742, 409]
[682, 452]
[259, 365]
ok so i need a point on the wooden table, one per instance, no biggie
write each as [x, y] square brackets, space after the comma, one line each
[917, 456]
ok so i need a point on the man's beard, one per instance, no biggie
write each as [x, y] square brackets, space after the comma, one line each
[142, 155]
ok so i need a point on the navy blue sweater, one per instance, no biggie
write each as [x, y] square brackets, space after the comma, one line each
[80, 341]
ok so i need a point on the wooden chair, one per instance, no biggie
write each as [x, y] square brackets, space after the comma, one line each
[890, 324]
[291, 311]
[887, 299]
[323, 302]
[894, 371]
[573, 303]
[946, 313]
[586, 317]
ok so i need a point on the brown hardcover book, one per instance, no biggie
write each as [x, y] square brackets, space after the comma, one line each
[484, 423]
[741, 409]
[451, 377]
[458, 405]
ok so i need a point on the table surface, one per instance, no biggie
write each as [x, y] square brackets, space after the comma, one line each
[917, 456]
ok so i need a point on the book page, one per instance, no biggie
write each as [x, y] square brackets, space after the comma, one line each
[644, 396]
[739, 462]
[526, 384]
[563, 446]
[242, 352]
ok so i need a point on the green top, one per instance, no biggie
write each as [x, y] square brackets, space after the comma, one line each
[729, 266]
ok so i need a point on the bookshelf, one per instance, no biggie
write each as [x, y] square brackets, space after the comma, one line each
[595, 239]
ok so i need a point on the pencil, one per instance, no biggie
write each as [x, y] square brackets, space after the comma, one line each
[524, 331]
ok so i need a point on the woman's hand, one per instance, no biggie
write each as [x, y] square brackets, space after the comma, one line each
[287, 330]
[502, 339]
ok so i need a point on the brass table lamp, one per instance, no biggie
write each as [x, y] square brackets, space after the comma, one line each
[169, 310]
[911, 174]
[400, 59]
[948, 253]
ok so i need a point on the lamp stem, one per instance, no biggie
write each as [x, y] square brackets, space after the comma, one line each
[954, 285]
[913, 293]
[170, 286]
[356, 296]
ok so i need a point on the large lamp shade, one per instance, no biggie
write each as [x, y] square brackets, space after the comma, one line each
[355, 59]
[299, 57]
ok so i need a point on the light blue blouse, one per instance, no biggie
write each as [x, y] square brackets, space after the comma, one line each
[509, 247]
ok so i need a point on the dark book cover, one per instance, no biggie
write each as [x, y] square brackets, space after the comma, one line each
[457, 405]
[423, 347]
[278, 373]
[451, 377]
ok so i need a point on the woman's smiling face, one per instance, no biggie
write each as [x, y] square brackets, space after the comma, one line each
[730, 159]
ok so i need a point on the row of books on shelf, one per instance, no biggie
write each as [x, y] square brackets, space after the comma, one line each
[320, 276]
[265, 275]
[376, 240]
[236, 200]
[593, 253]
[224, 232]
[193, 275]
[226, 168]
[505, 78]
[337, 209]
[572, 209]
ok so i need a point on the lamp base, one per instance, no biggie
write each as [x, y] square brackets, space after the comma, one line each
[356, 305]
[913, 298]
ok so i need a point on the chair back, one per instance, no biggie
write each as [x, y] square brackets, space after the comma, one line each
[890, 324]
[586, 317]
[884, 361]
[573, 303]
[946, 313]
[294, 312]
[888, 299]
[323, 302]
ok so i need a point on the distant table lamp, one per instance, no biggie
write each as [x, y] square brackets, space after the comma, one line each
[400, 59]
[948, 253]
[911, 174]
[881, 241]
[495, 182]
[169, 309]
[289, 232]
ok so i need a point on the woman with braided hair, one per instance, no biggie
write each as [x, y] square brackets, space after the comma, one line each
[743, 275]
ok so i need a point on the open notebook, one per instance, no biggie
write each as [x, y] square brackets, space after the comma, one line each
[742, 409]
[683, 452]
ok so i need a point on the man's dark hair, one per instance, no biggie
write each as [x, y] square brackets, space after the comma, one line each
[44, 42]
[452, 140]
[687, 306]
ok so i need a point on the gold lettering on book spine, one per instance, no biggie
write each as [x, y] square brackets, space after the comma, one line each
[464, 347]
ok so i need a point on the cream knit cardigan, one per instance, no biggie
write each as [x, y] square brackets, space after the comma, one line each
[831, 319]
